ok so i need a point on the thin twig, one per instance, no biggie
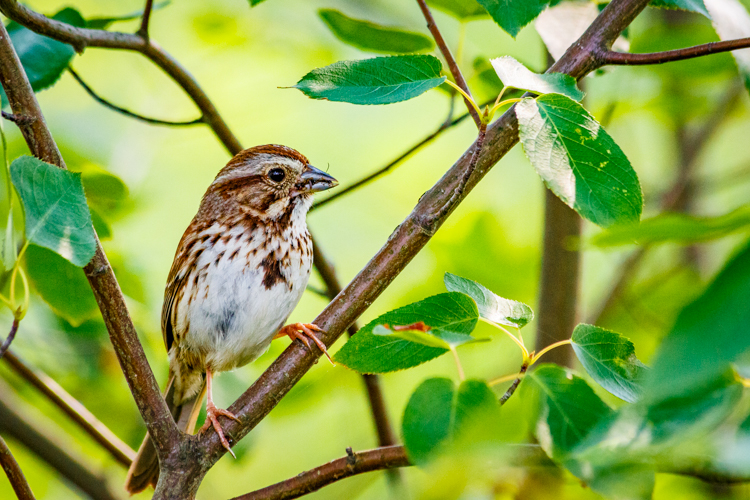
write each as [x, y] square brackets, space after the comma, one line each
[15, 475]
[143, 30]
[449, 59]
[396, 161]
[10, 337]
[387, 457]
[19, 120]
[515, 384]
[38, 439]
[627, 59]
[127, 112]
[73, 408]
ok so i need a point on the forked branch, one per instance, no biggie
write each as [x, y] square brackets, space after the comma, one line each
[15, 474]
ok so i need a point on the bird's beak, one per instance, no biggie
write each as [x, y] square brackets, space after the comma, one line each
[314, 179]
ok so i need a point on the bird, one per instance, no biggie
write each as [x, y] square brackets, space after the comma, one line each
[240, 269]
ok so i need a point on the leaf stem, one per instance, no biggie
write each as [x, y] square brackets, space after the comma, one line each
[503, 103]
[538, 355]
[519, 343]
[466, 96]
[461, 374]
[505, 378]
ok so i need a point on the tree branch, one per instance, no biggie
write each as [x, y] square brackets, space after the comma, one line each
[73, 409]
[352, 464]
[17, 426]
[14, 473]
[452, 64]
[126, 112]
[143, 30]
[103, 283]
[11, 335]
[512, 389]
[626, 59]
[409, 238]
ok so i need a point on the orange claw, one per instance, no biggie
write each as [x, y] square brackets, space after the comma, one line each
[303, 332]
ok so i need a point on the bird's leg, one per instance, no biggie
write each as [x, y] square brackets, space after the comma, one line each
[303, 332]
[213, 413]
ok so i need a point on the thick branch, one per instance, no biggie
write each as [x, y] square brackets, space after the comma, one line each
[15, 474]
[354, 463]
[410, 237]
[626, 59]
[452, 64]
[127, 112]
[73, 408]
[19, 428]
[103, 283]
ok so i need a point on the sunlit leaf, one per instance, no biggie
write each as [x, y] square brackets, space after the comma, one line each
[512, 15]
[514, 74]
[578, 160]
[61, 284]
[366, 352]
[43, 59]
[610, 360]
[491, 307]
[374, 37]
[56, 214]
[689, 5]
[437, 413]
[102, 23]
[732, 21]
[569, 409]
[380, 80]
[675, 227]
[707, 337]
[460, 9]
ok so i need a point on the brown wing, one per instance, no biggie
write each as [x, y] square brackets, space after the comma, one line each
[175, 284]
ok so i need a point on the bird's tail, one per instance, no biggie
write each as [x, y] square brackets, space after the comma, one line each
[144, 470]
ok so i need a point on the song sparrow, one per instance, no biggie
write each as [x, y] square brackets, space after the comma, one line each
[238, 273]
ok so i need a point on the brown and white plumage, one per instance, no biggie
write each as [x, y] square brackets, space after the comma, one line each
[239, 270]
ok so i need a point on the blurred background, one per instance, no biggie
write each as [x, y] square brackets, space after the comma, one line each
[241, 56]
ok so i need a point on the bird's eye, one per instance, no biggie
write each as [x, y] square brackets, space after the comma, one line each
[276, 174]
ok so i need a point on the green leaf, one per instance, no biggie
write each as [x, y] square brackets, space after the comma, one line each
[436, 414]
[491, 307]
[675, 227]
[578, 160]
[610, 360]
[512, 15]
[9, 244]
[366, 352]
[516, 75]
[444, 339]
[102, 23]
[253, 3]
[101, 226]
[62, 285]
[708, 335]
[688, 5]
[56, 214]
[104, 190]
[374, 37]
[732, 21]
[462, 10]
[43, 59]
[569, 409]
[380, 80]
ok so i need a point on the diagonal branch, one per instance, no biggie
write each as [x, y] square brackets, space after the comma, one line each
[103, 283]
[411, 236]
[73, 408]
[626, 59]
[388, 457]
[15, 474]
[11, 335]
[452, 64]
[127, 112]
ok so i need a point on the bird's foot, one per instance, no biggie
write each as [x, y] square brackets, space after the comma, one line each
[212, 420]
[303, 332]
